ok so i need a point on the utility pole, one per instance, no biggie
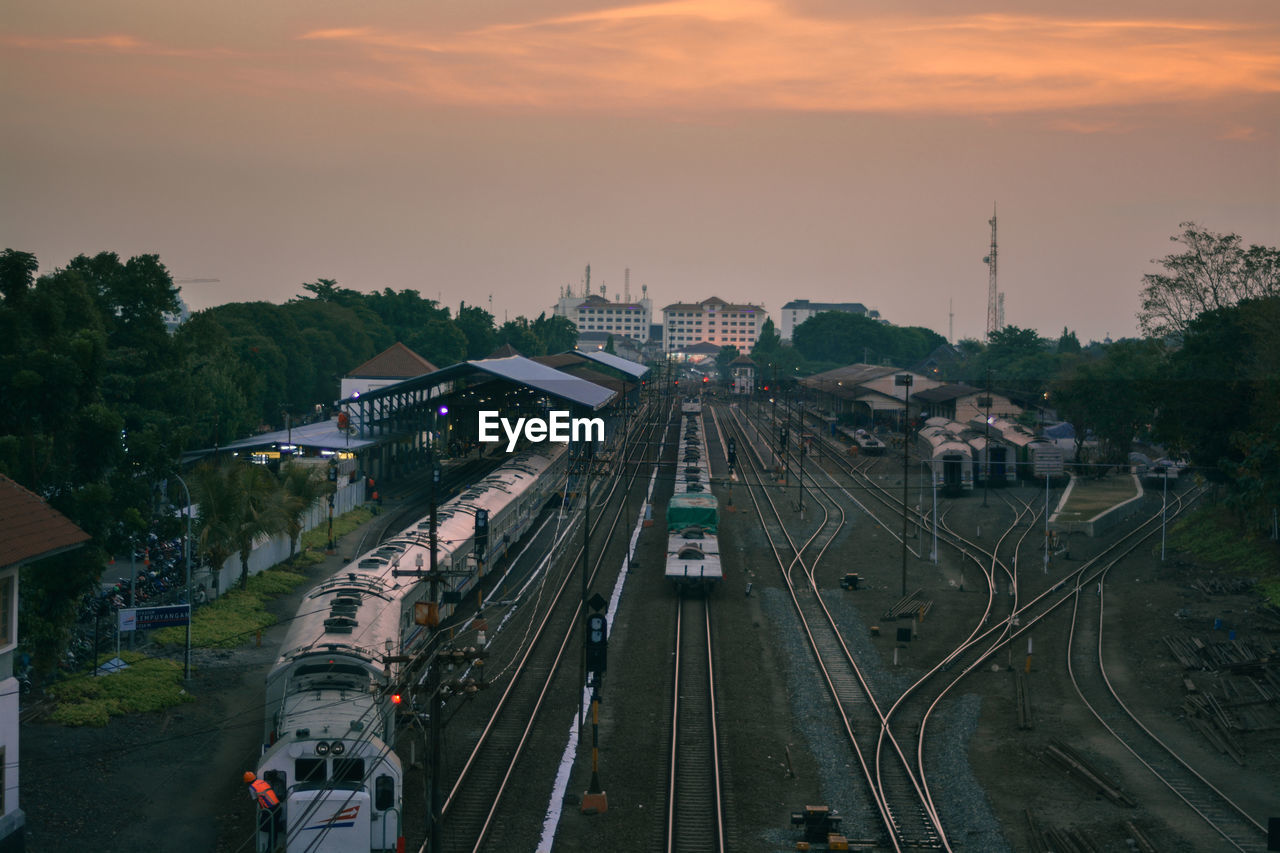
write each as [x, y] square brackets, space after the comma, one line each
[986, 447]
[905, 380]
[586, 563]
[186, 557]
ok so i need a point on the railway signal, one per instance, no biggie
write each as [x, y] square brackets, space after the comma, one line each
[597, 646]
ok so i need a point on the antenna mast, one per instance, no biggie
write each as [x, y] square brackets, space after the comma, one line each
[626, 284]
[587, 290]
[951, 321]
[993, 310]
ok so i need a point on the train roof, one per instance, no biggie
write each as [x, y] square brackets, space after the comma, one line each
[350, 611]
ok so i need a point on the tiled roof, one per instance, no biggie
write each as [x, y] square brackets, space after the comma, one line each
[30, 528]
[719, 303]
[504, 351]
[395, 362]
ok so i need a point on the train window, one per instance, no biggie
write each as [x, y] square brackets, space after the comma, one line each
[310, 770]
[348, 770]
[278, 782]
[384, 793]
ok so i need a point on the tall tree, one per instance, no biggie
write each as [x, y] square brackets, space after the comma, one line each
[476, 324]
[17, 273]
[1213, 271]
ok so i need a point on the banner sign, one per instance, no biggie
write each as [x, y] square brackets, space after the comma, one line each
[146, 618]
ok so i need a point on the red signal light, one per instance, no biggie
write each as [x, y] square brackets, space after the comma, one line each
[706, 379]
[395, 698]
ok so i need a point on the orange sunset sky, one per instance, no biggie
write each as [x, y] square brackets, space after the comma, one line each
[759, 150]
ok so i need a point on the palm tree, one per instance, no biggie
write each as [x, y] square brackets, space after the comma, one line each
[218, 497]
[301, 486]
[238, 503]
[258, 512]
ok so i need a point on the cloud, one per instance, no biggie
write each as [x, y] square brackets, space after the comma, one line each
[121, 44]
[757, 54]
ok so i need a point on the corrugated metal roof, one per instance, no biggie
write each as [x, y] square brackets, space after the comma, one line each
[30, 528]
[324, 435]
[554, 382]
[608, 359]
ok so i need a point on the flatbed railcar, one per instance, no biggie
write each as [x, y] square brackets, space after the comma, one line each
[330, 719]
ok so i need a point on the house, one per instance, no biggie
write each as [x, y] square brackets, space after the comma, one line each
[30, 530]
[394, 364]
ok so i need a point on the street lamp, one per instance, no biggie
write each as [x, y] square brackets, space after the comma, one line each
[186, 551]
[905, 380]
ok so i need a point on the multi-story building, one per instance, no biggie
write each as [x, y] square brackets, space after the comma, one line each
[797, 311]
[712, 321]
[595, 313]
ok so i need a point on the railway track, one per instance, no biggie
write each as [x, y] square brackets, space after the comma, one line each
[1087, 668]
[695, 811]
[472, 803]
[1237, 828]
[895, 794]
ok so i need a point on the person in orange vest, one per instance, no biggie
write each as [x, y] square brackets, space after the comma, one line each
[268, 803]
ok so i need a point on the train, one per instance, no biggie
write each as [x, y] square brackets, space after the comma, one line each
[992, 456]
[693, 513]
[330, 724]
[1032, 455]
[948, 456]
[961, 456]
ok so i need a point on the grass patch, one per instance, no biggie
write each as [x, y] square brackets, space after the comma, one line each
[149, 684]
[317, 538]
[1212, 536]
[236, 615]
[1090, 497]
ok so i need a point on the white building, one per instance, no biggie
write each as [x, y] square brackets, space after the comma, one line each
[711, 321]
[797, 311]
[595, 313]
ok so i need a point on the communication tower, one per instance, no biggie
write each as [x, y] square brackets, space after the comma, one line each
[993, 300]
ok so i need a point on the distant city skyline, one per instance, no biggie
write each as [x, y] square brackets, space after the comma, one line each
[755, 150]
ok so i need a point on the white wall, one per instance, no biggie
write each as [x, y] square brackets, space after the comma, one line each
[269, 551]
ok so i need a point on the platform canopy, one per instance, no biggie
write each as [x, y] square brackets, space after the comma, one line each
[608, 359]
[523, 371]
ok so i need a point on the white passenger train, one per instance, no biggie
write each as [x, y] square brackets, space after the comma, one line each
[693, 517]
[328, 746]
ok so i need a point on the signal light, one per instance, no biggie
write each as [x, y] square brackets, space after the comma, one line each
[706, 379]
[395, 698]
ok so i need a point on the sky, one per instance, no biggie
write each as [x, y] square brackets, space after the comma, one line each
[756, 150]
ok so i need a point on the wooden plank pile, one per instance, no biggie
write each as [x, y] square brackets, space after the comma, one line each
[910, 606]
[1223, 586]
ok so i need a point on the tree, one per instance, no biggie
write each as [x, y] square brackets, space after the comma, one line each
[17, 273]
[609, 347]
[725, 358]
[768, 341]
[1068, 343]
[476, 325]
[557, 334]
[518, 333]
[301, 486]
[1214, 271]
[238, 503]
